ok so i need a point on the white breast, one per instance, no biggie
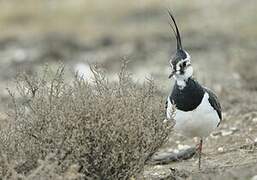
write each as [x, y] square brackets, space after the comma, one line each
[197, 123]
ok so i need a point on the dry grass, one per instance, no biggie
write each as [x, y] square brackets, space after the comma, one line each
[96, 131]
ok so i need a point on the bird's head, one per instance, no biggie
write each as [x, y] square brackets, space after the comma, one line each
[180, 62]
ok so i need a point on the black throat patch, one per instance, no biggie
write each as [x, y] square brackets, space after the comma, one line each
[188, 98]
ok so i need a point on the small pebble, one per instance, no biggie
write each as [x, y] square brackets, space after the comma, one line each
[255, 119]
[216, 133]
[226, 133]
[234, 129]
[231, 130]
[220, 149]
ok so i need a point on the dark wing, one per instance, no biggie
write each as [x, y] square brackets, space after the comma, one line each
[213, 100]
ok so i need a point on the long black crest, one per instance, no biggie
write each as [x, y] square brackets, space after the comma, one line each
[177, 34]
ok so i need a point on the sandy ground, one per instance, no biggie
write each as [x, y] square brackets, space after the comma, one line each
[220, 36]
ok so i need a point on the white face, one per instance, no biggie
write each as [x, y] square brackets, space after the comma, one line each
[182, 70]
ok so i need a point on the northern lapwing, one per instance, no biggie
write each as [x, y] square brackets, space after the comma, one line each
[197, 109]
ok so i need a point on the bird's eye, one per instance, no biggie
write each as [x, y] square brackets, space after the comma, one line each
[184, 63]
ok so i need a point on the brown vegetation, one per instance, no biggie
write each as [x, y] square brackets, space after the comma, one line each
[96, 131]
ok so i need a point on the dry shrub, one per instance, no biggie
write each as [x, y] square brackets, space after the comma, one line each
[107, 130]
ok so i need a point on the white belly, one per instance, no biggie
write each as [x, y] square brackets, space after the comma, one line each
[197, 123]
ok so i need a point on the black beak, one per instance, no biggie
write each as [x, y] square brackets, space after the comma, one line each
[170, 76]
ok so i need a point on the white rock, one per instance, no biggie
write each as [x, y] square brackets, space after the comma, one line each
[255, 119]
[84, 71]
[226, 133]
[220, 149]
[216, 134]
[20, 55]
[234, 129]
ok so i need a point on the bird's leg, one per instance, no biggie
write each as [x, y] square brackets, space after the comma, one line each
[199, 148]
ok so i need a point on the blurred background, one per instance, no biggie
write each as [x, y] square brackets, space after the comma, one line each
[219, 35]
